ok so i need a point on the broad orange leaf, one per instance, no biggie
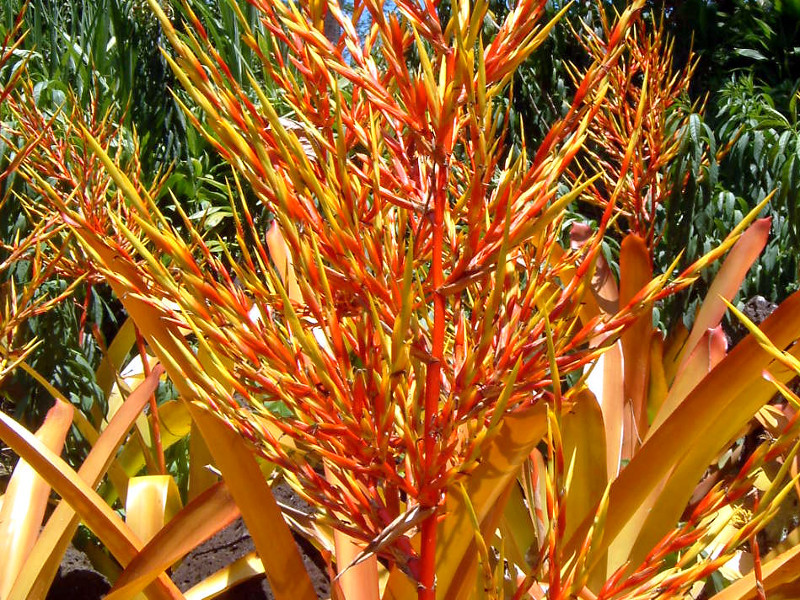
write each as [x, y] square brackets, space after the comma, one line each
[635, 272]
[283, 565]
[40, 569]
[94, 512]
[729, 279]
[693, 434]
[26, 498]
[207, 514]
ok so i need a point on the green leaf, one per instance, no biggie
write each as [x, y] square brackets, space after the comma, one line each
[750, 53]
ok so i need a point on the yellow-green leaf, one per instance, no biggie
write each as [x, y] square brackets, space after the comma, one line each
[26, 497]
[283, 565]
[245, 568]
[518, 433]
[583, 438]
[210, 512]
[151, 502]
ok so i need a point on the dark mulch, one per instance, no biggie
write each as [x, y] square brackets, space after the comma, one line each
[231, 544]
[77, 579]
[757, 309]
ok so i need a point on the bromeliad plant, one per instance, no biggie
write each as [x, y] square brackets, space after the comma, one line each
[638, 130]
[651, 504]
[385, 206]
[392, 340]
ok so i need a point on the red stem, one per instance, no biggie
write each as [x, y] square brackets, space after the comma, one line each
[433, 382]
[84, 315]
[427, 572]
[154, 423]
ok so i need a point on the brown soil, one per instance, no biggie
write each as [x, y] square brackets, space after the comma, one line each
[77, 579]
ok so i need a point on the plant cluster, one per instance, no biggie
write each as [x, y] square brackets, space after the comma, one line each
[394, 321]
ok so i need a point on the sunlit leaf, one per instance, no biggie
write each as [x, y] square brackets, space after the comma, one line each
[40, 569]
[151, 502]
[26, 498]
[273, 540]
[94, 512]
[206, 515]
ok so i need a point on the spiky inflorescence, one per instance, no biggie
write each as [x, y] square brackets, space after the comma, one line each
[411, 290]
[638, 131]
[425, 268]
[59, 163]
[20, 297]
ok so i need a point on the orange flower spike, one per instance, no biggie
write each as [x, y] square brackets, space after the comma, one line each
[197, 25]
